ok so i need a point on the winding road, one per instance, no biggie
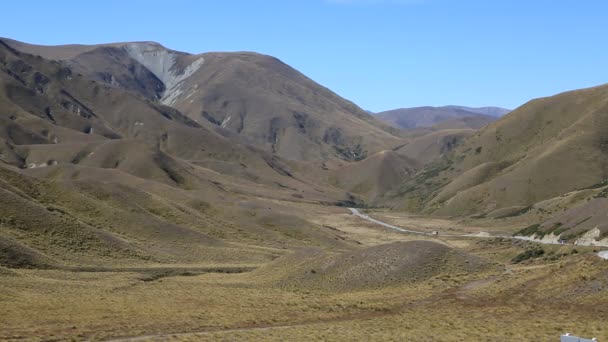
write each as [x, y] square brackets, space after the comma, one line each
[403, 230]
[356, 212]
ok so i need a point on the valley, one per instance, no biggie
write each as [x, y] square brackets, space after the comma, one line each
[153, 194]
[281, 299]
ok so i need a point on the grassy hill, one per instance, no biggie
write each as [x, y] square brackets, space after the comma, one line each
[387, 265]
[543, 150]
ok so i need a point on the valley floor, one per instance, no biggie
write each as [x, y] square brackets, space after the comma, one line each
[564, 290]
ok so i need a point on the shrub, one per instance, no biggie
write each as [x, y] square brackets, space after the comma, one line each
[602, 194]
[529, 231]
[528, 254]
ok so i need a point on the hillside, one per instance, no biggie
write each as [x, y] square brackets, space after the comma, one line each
[445, 117]
[541, 151]
[255, 97]
[432, 144]
[53, 115]
[376, 174]
[92, 175]
[474, 122]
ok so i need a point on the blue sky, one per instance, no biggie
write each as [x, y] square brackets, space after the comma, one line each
[381, 54]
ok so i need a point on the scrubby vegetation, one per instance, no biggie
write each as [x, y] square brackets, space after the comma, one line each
[528, 254]
[530, 230]
[597, 185]
[602, 194]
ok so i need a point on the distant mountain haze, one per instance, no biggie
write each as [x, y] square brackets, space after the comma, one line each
[492, 111]
[406, 118]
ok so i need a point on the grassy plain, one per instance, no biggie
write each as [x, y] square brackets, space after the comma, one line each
[537, 299]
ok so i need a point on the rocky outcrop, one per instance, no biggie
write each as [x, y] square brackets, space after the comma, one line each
[163, 64]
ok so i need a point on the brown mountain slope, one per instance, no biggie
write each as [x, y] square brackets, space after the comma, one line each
[118, 219]
[546, 148]
[446, 117]
[264, 101]
[376, 174]
[382, 171]
[282, 110]
[91, 174]
[430, 145]
[467, 122]
[50, 114]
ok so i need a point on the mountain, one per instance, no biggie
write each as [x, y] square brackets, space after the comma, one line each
[492, 111]
[543, 158]
[94, 174]
[257, 98]
[128, 212]
[448, 117]
[467, 122]
[432, 144]
[115, 127]
[376, 174]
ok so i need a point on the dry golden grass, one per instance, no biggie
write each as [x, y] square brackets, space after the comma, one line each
[543, 149]
[537, 299]
[528, 303]
[173, 231]
[41, 304]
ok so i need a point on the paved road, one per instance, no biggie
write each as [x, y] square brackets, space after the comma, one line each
[602, 254]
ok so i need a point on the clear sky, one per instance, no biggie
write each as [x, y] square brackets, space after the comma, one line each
[381, 54]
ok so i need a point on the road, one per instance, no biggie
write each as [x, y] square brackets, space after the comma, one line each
[602, 254]
[403, 230]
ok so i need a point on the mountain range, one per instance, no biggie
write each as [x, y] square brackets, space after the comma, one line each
[257, 98]
[249, 125]
[447, 116]
[153, 194]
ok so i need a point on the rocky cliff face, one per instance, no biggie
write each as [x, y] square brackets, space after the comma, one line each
[165, 65]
